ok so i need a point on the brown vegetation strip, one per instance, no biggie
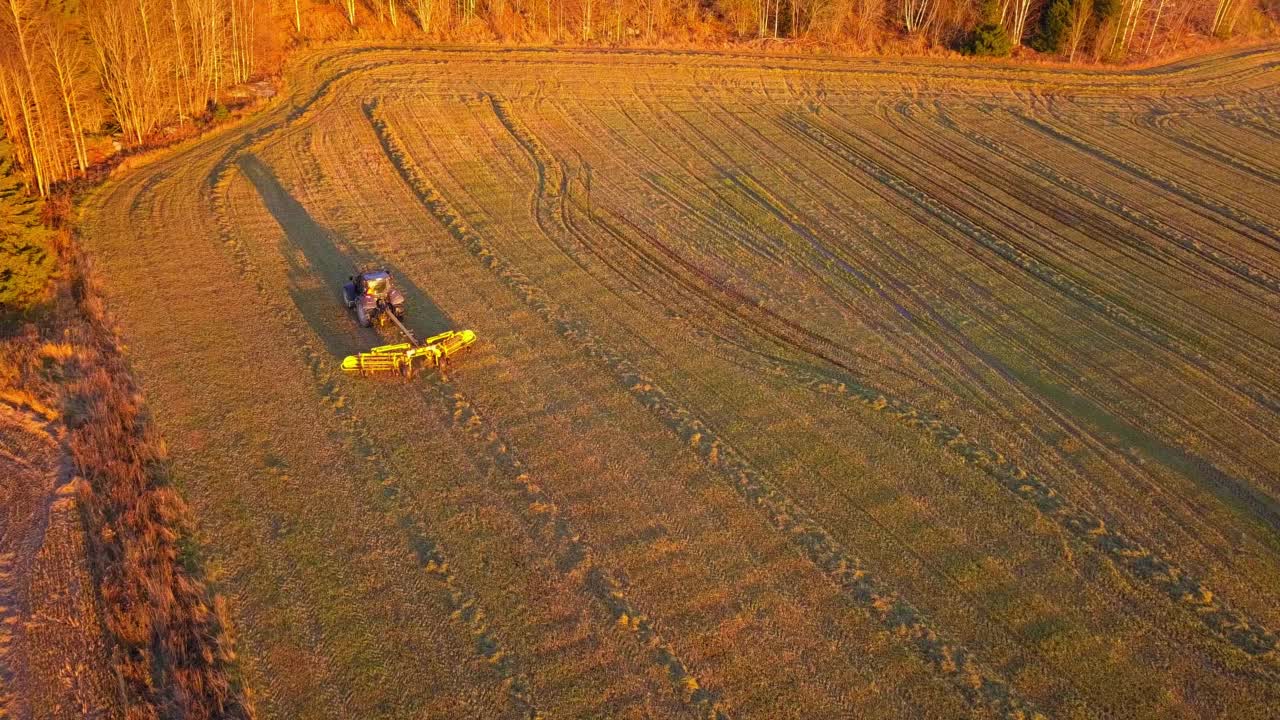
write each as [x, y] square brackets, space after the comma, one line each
[172, 645]
[979, 685]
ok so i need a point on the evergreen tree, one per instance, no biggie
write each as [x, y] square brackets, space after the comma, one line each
[1054, 26]
[27, 255]
[990, 37]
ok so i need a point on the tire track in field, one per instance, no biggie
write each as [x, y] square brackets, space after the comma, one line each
[1068, 286]
[1141, 563]
[1234, 117]
[575, 556]
[1158, 126]
[751, 315]
[740, 306]
[1169, 338]
[836, 200]
[1232, 488]
[463, 604]
[928, 203]
[1263, 351]
[1258, 356]
[1262, 400]
[1269, 233]
[877, 234]
[1040, 270]
[264, 129]
[978, 684]
[549, 193]
[872, 280]
[1106, 199]
[723, 219]
[791, 217]
[572, 241]
[1238, 139]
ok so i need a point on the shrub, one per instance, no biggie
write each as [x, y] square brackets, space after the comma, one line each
[990, 39]
[27, 261]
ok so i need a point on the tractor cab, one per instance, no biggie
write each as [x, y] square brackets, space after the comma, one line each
[375, 282]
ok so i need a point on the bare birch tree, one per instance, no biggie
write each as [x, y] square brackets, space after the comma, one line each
[14, 118]
[1130, 12]
[69, 66]
[1155, 25]
[1225, 16]
[918, 14]
[19, 18]
[1077, 24]
[1016, 13]
[426, 7]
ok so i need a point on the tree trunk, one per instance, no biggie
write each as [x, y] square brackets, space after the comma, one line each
[29, 98]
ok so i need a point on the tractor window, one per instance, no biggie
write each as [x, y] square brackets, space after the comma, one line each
[377, 283]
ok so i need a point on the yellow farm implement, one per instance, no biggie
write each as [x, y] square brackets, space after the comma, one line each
[400, 358]
[374, 299]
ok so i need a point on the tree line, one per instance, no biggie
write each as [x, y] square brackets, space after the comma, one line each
[72, 70]
[76, 71]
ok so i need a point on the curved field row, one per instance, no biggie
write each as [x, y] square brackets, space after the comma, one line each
[554, 485]
[845, 570]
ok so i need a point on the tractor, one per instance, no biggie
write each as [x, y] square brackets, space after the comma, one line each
[370, 294]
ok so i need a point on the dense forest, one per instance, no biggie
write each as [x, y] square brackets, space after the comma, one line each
[82, 78]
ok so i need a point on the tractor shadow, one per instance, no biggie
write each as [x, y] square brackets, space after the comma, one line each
[320, 261]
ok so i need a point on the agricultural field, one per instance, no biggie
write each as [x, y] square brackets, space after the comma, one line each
[804, 388]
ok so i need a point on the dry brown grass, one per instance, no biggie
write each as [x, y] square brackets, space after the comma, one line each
[167, 636]
[173, 648]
